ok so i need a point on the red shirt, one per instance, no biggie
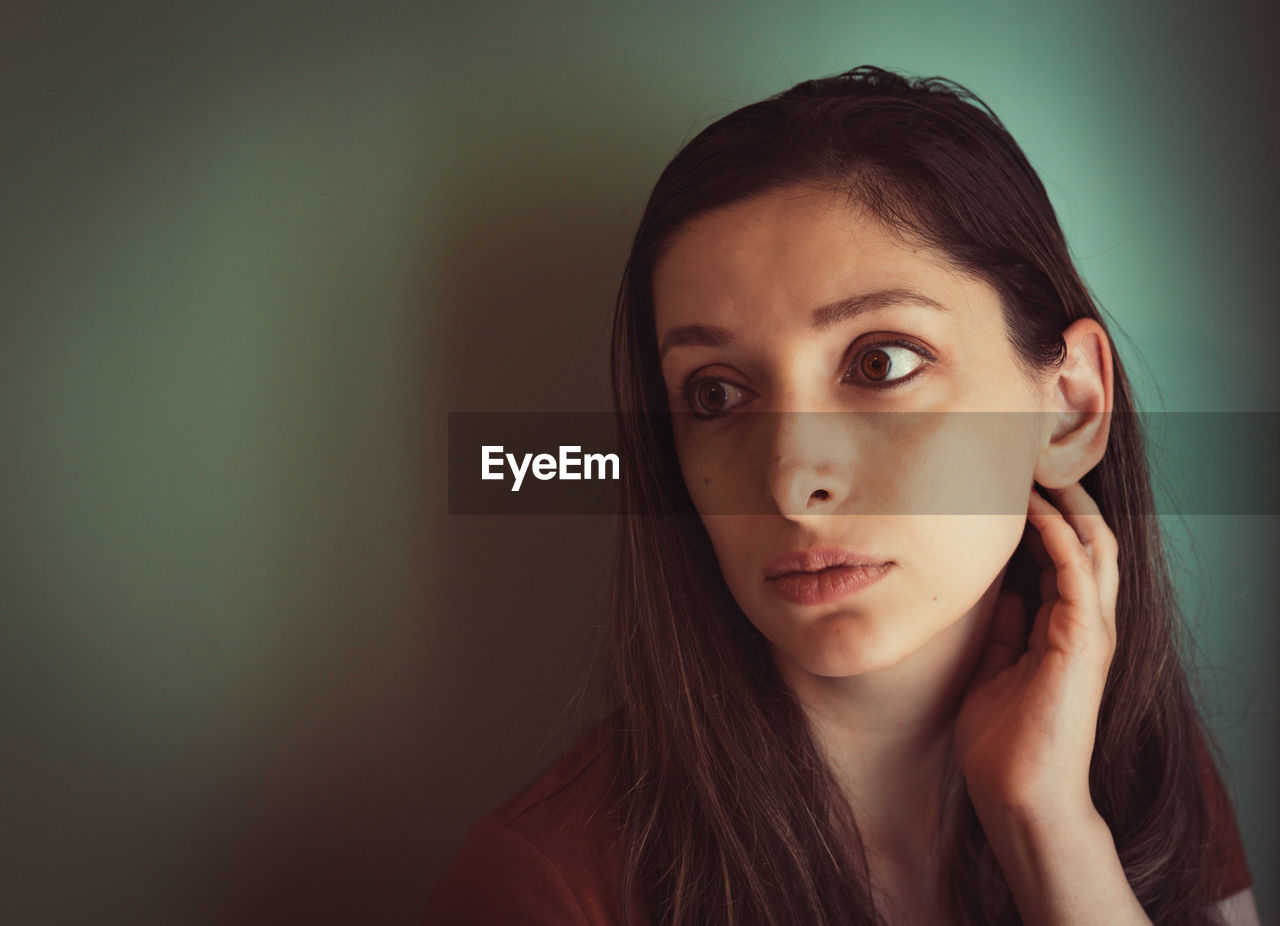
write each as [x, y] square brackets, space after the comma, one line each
[550, 855]
[547, 856]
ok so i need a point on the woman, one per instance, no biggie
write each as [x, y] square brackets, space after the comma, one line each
[860, 669]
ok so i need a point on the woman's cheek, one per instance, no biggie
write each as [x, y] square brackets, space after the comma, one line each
[718, 481]
[969, 463]
[715, 482]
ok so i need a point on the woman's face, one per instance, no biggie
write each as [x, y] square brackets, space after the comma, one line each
[886, 379]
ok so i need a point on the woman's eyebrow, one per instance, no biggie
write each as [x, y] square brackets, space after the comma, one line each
[822, 318]
[701, 335]
[826, 316]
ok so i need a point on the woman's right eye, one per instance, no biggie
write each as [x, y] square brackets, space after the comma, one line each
[712, 398]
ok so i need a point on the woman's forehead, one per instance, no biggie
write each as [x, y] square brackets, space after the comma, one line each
[791, 252]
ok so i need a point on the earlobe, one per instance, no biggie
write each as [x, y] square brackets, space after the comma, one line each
[1080, 397]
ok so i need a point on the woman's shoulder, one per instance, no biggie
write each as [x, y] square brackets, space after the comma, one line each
[575, 789]
[546, 855]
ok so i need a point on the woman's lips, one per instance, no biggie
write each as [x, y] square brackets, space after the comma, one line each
[823, 574]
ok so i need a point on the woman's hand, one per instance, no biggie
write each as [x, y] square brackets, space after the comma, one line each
[1024, 735]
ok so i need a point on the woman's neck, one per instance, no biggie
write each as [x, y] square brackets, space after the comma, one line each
[887, 737]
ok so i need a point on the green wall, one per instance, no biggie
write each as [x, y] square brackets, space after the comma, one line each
[252, 254]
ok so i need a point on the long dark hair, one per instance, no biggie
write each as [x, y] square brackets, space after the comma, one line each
[730, 814]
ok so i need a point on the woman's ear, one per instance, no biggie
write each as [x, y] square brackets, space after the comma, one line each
[1079, 397]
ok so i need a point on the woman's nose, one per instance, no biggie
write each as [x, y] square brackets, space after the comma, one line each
[811, 460]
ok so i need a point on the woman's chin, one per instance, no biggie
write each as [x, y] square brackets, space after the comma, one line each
[843, 645]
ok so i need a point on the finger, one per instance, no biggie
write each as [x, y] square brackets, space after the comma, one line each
[1035, 543]
[1035, 546]
[1007, 638]
[1082, 513]
[1075, 582]
[1083, 623]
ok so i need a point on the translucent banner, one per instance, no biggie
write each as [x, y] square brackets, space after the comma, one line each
[846, 463]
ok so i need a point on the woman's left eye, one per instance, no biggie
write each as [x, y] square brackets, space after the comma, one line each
[886, 364]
